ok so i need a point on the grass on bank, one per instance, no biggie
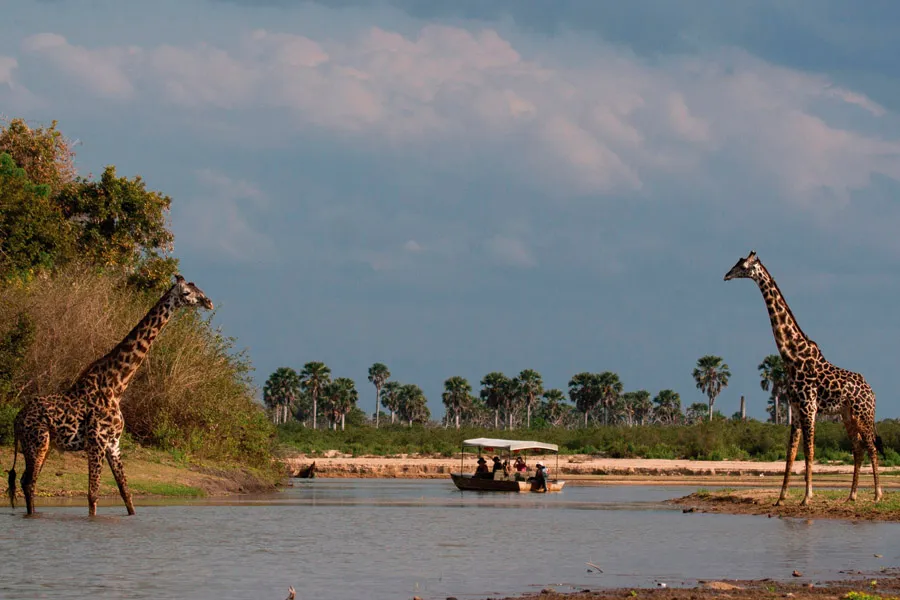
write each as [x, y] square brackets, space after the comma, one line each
[718, 440]
[150, 473]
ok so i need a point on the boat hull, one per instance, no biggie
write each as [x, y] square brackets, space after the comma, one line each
[466, 482]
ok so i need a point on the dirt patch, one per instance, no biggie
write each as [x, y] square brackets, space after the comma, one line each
[826, 504]
[885, 589]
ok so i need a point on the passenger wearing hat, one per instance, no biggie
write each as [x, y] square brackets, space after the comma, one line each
[482, 472]
[498, 466]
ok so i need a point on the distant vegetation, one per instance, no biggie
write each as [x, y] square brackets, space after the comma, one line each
[721, 439]
[81, 261]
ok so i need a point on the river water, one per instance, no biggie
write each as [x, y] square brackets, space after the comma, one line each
[393, 539]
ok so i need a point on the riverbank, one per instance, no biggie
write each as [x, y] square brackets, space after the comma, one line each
[826, 504]
[884, 588]
[584, 469]
[150, 473]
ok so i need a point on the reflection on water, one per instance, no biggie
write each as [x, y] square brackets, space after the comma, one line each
[392, 539]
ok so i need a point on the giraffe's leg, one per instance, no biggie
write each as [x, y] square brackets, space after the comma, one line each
[115, 464]
[809, 448]
[793, 444]
[869, 437]
[95, 464]
[35, 454]
[858, 450]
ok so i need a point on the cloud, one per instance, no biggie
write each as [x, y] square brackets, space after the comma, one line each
[509, 251]
[104, 71]
[218, 221]
[7, 66]
[603, 127]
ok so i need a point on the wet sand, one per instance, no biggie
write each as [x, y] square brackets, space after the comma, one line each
[885, 588]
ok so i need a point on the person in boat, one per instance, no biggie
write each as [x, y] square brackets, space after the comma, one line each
[521, 469]
[498, 466]
[507, 469]
[482, 472]
[539, 481]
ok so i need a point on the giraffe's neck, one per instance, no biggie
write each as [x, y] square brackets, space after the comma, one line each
[114, 371]
[792, 342]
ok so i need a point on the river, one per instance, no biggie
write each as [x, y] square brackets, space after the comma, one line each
[393, 539]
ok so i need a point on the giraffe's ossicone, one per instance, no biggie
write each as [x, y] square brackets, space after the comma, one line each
[814, 386]
[87, 415]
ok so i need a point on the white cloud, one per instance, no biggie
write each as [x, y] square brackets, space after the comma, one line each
[412, 246]
[104, 70]
[605, 127]
[7, 66]
[510, 251]
[217, 221]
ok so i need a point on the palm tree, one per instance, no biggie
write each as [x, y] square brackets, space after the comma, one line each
[609, 387]
[457, 396]
[668, 407]
[772, 375]
[637, 406]
[711, 376]
[280, 392]
[495, 389]
[390, 397]
[313, 377]
[553, 409]
[413, 404]
[584, 390]
[695, 412]
[530, 385]
[342, 396]
[378, 375]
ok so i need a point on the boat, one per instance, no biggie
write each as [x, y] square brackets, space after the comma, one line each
[468, 481]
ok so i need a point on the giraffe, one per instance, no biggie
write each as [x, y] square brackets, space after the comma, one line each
[814, 385]
[87, 415]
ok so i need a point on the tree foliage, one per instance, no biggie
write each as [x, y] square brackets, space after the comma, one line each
[378, 375]
[711, 376]
[281, 392]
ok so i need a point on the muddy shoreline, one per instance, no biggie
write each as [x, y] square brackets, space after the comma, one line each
[886, 586]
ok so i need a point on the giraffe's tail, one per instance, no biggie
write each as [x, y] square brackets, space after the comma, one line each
[879, 446]
[11, 481]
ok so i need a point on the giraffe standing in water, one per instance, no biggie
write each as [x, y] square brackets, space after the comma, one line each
[87, 416]
[814, 386]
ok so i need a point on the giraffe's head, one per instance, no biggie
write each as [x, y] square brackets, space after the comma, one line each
[188, 294]
[749, 268]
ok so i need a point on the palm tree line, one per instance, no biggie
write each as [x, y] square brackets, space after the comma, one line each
[511, 402]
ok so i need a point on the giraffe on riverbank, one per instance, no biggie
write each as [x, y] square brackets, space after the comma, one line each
[814, 386]
[87, 416]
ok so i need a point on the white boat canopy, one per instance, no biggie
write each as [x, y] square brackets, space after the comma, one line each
[511, 445]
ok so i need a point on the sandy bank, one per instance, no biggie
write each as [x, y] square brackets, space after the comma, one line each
[826, 504]
[886, 588]
[572, 467]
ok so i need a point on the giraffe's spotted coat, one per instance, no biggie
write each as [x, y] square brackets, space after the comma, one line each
[814, 385]
[87, 416]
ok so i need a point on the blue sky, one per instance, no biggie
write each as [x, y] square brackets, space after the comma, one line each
[457, 188]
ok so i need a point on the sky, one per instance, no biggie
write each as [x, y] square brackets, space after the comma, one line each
[458, 188]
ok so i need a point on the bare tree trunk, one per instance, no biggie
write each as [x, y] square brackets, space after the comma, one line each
[790, 420]
[457, 420]
[392, 416]
[743, 410]
[377, 404]
[496, 418]
[711, 400]
[342, 421]
[777, 409]
[585, 418]
[528, 424]
[315, 407]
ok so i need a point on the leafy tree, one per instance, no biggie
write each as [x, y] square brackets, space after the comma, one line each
[341, 397]
[34, 235]
[390, 397]
[530, 386]
[280, 393]
[711, 376]
[378, 375]
[496, 388]
[44, 153]
[637, 407]
[668, 407]
[695, 412]
[584, 391]
[413, 404]
[457, 396]
[773, 376]
[553, 408]
[313, 378]
[609, 386]
[121, 223]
